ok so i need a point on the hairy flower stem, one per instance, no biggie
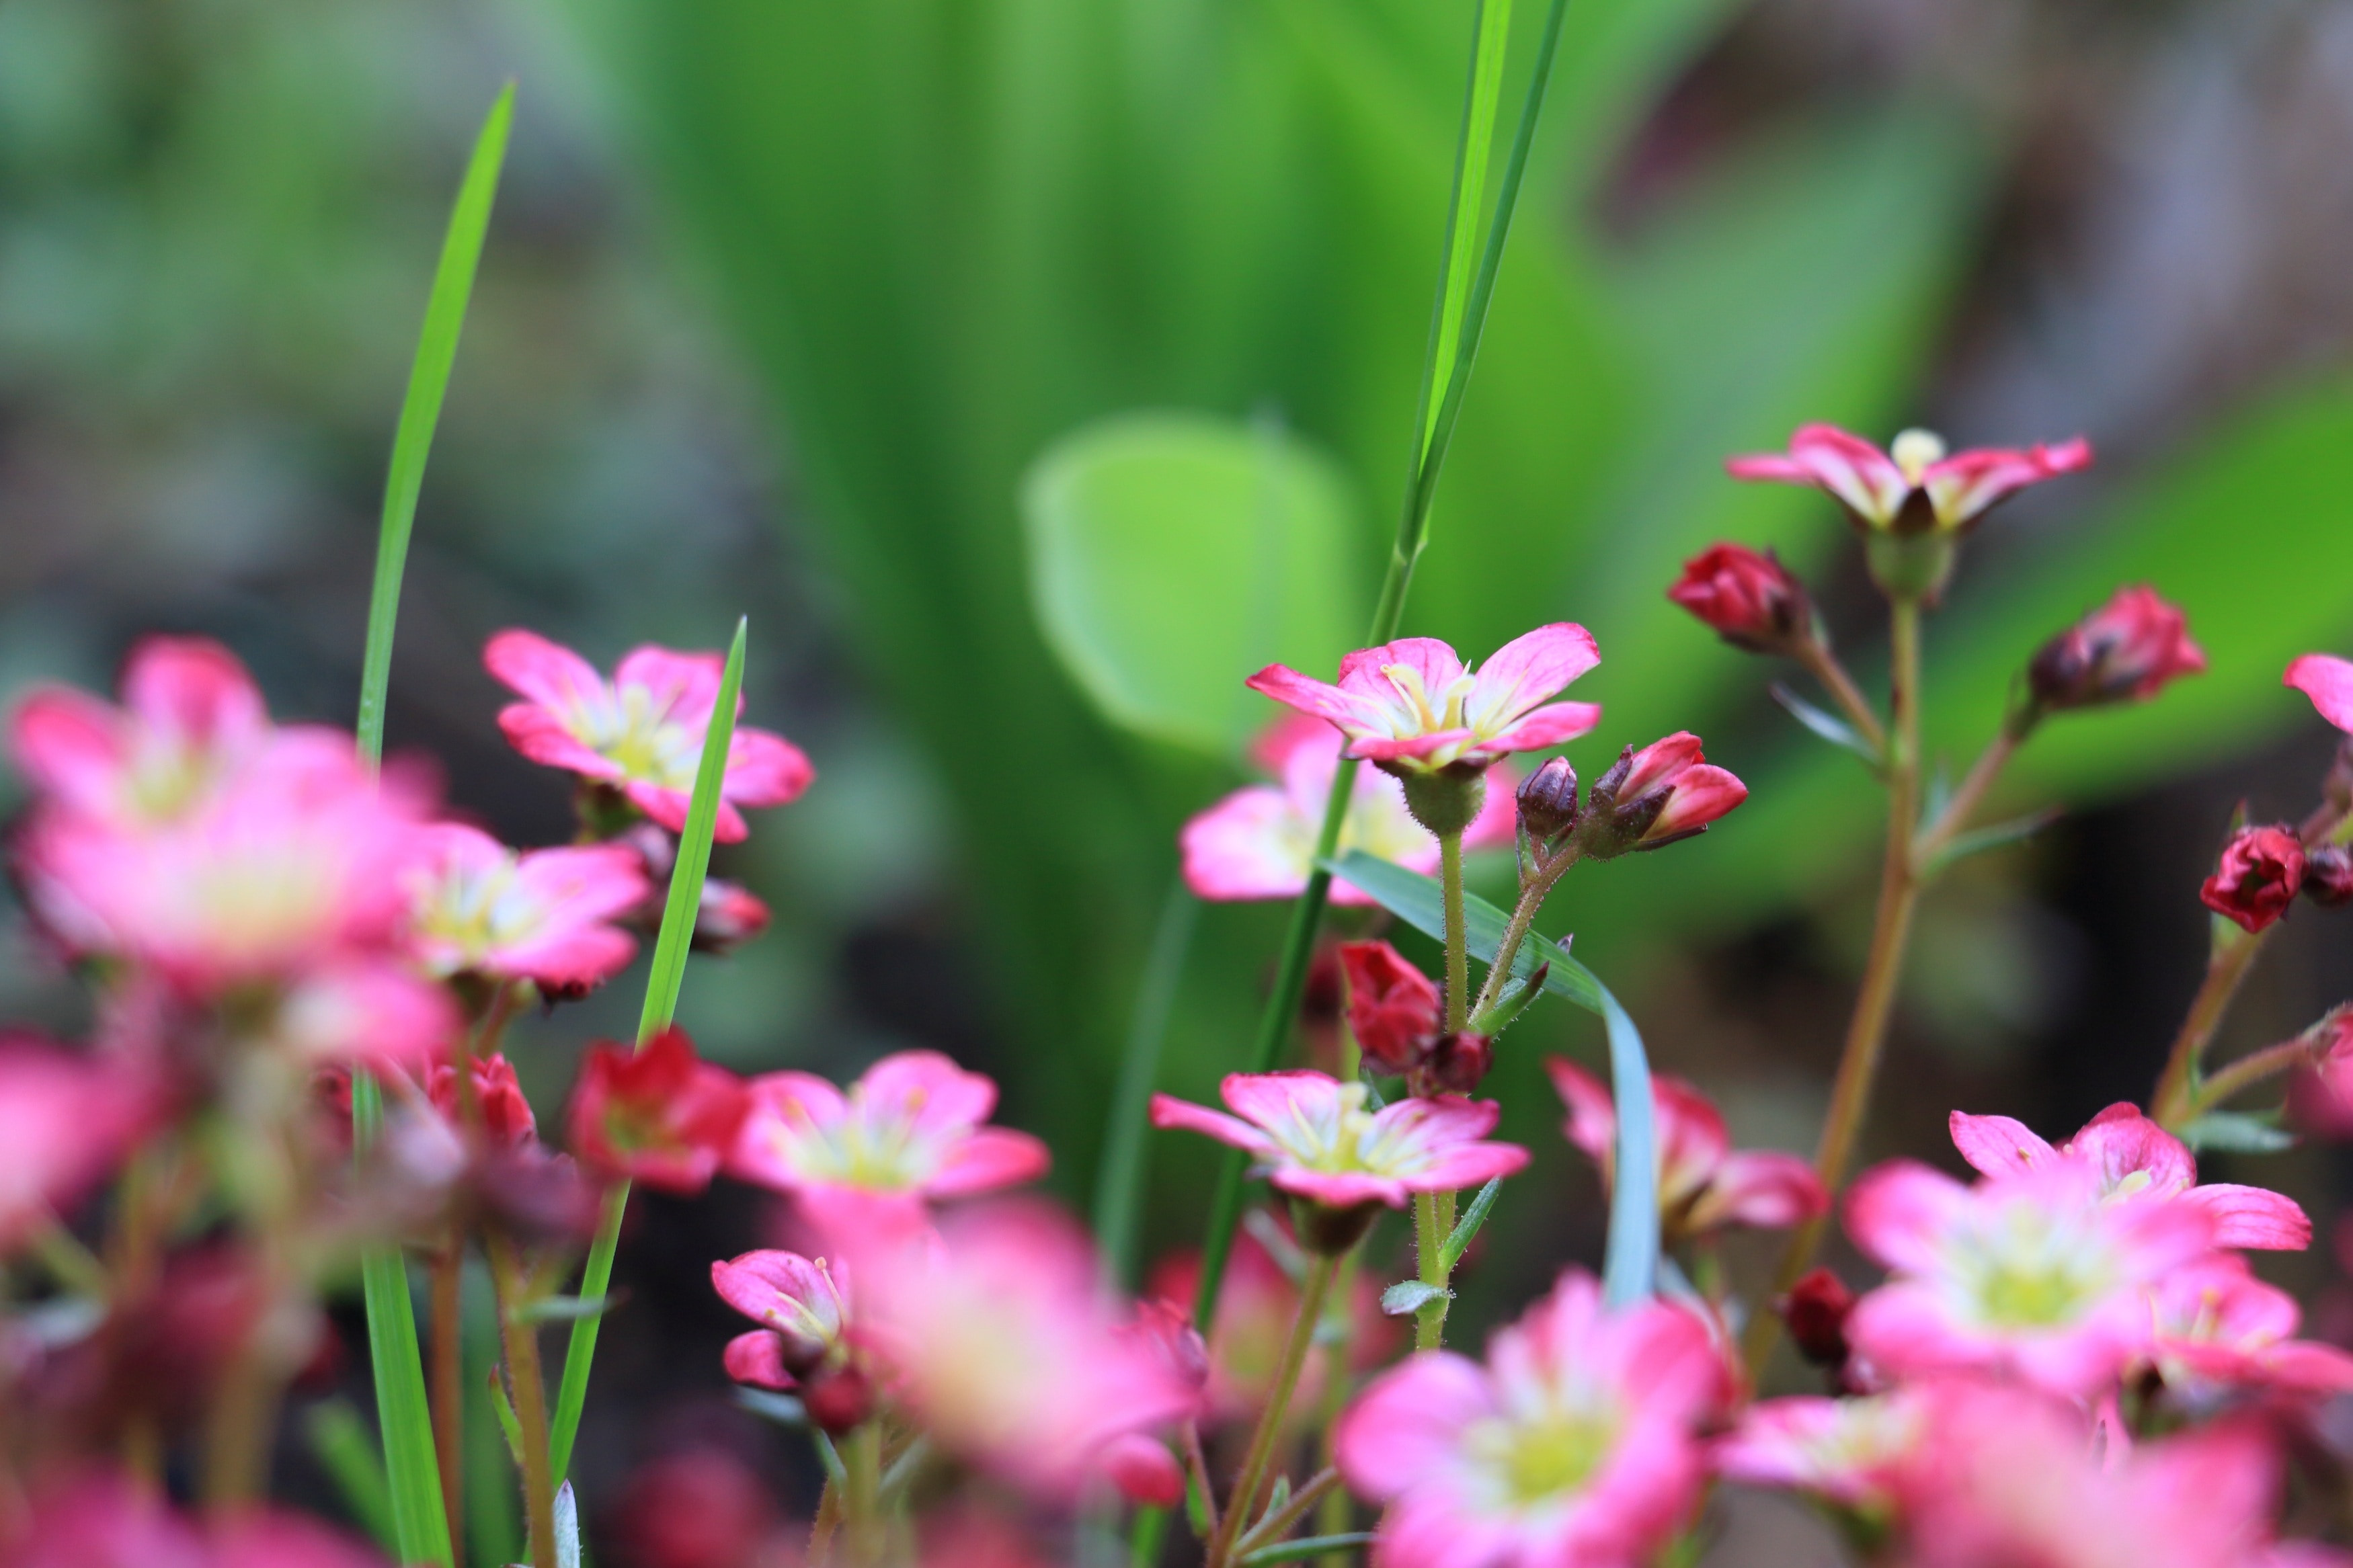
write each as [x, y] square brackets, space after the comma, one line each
[530, 1396]
[1874, 1002]
[447, 1380]
[1279, 1523]
[862, 1499]
[1816, 658]
[1243, 1502]
[2252, 1069]
[1458, 942]
[1536, 886]
[1429, 1244]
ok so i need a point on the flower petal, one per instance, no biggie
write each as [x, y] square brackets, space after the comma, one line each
[1547, 726]
[1251, 845]
[547, 673]
[766, 769]
[684, 686]
[1408, 1424]
[1896, 1212]
[1527, 672]
[2252, 1216]
[539, 734]
[990, 1158]
[2329, 681]
[1762, 1187]
[1168, 1112]
[1997, 1145]
[1592, 1123]
[1287, 686]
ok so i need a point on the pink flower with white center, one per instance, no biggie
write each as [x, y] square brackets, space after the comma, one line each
[2006, 1478]
[1848, 1452]
[2037, 1274]
[1411, 705]
[2137, 1161]
[65, 1120]
[1914, 486]
[476, 906]
[1315, 1140]
[642, 731]
[364, 1009]
[2329, 681]
[1703, 1183]
[802, 1305]
[911, 1130]
[1574, 1444]
[2218, 1326]
[1260, 841]
[1000, 1341]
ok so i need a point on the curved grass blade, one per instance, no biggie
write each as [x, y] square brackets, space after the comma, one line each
[346, 1450]
[1119, 1187]
[419, 1525]
[1631, 1261]
[669, 973]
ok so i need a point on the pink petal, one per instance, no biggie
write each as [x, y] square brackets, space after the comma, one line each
[1431, 1527]
[589, 882]
[1527, 672]
[1997, 1145]
[2252, 1216]
[1859, 474]
[1267, 1098]
[1167, 1111]
[1309, 695]
[540, 735]
[1765, 1188]
[1902, 1330]
[1692, 1141]
[684, 685]
[1658, 763]
[1547, 726]
[929, 1091]
[566, 959]
[1967, 483]
[1446, 1119]
[1592, 1124]
[1497, 822]
[1896, 1212]
[1143, 1470]
[1251, 845]
[1343, 1190]
[1703, 794]
[754, 1282]
[757, 1358]
[764, 769]
[68, 744]
[194, 689]
[2329, 681]
[2122, 1141]
[991, 1158]
[547, 673]
[1469, 1165]
[1386, 749]
[1291, 737]
[1407, 1426]
[1362, 673]
[671, 807]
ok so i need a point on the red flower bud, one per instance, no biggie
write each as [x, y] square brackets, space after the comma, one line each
[1752, 601]
[1458, 1062]
[838, 1398]
[1393, 1008]
[2128, 649]
[659, 1115]
[1548, 800]
[505, 1113]
[732, 915]
[1651, 798]
[1816, 1310]
[2328, 876]
[2261, 869]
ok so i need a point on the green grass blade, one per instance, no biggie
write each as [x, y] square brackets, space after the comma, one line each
[671, 947]
[1119, 1185]
[1491, 39]
[420, 410]
[420, 1527]
[346, 1450]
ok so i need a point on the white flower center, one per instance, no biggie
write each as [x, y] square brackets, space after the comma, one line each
[1914, 451]
[636, 733]
[2028, 1268]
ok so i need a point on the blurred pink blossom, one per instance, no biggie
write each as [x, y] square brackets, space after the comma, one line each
[2130, 649]
[66, 1122]
[103, 1522]
[1849, 1452]
[1703, 1183]
[2218, 1327]
[802, 1305]
[542, 915]
[659, 1114]
[2329, 681]
[1914, 486]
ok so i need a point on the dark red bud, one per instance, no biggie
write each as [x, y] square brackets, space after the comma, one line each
[2258, 876]
[2128, 649]
[2328, 876]
[839, 1399]
[1548, 800]
[1816, 1310]
[1458, 1062]
[1751, 601]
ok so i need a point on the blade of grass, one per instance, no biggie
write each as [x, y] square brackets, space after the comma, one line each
[1119, 1188]
[663, 984]
[346, 1450]
[419, 1526]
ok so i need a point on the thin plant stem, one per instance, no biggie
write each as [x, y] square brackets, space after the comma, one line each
[861, 1500]
[529, 1393]
[447, 1378]
[1243, 1502]
[1428, 1250]
[1874, 1002]
[1969, 796]
[1816, 658]
[1119, 1185]
[2249, 1070]
[2225, 969]
[1197, 1464]
[1279, 1523]
[1533, 893]
[1458, 942]
[822, 1528]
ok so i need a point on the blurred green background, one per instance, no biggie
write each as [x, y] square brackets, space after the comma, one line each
[783, 299]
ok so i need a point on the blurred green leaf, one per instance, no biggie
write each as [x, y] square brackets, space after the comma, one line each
[1172, 553]
[2236, 1132]
[1407, 1297]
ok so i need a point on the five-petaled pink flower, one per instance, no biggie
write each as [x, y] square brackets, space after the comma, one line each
[1260, 841]
[802, 1306]
[2137, 1161]
[1574, 1444]
[2127, 650]
[2037, 1274]
[642, 731]
[910, 1130]
[1703, 1183]
[2220, 1328]
[1315, 1139]
[659, 1115]
[476, 906]
[2329, 681]
[1411, 705]
[1849, 1452]
[1913, 486]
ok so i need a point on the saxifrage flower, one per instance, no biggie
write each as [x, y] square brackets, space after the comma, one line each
[1260, 841]
[2128, 649]
[1413, 706]
[1914, 486]
[1574, 1444]
[1703, 1183]
[642, 731]
[1849, 1452]
[1315, 1139]
[542, 915]
[2258, 876]
[2218, 1328]
[659, 1114]
[801, 1304]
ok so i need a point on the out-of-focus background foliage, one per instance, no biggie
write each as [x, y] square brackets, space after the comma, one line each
[782, 298]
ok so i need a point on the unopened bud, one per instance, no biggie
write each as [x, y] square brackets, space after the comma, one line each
[1751, 601]
[839, 1398]
[2328, 876]
[1457, 1062]
[1816, 1310]
[2258, 876]
[1548, 805]
[2127, 650]
[1393, 1008]
[1650, 798]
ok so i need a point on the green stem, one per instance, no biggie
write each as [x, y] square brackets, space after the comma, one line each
[2252, 1069]
[1458, 942]
[1243, 1502]
[526, 1384]
[862, 1499]
[1533, 893]
[1819, 662]
[2224, 970]
[1119, 1185]
[1430, 1253]
[1967, 797]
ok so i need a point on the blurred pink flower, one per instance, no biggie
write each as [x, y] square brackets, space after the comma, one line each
[1914, 486]
[1260, 841]
[642, 731]
[803, 1305]
[1315, 1139]
[2329, 681]
[66, 1121]
[1703, 1183]
[700, 1507]
[1849, 1452]
[1412, 707]
[542, 915]
[1751, 601]
[2218, 1327]
[2137, 1161]
[1574, 1444]
[2035, 1274]
[2130, 649]
[2257, 877]
[364, 1009]
[100, 1520]
[659, 1115]
[909, 1130]
[999, 1340]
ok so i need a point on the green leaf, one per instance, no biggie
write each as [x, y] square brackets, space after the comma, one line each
[1306, 1546]
[1171, 554]
[563, 1308]
[1407, 1297]
[420, 1526]
[1466, 1229]
[509, 1427]
[1994, 836]
[1829, 727]
[347, 1451]
[781, 1408]
[420, 408]
[2236, 1132]
[662, 983]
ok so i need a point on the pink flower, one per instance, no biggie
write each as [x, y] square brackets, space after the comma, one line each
[2130, 649]
[66, 1121]
[2036, 1275]
[1572, 1445]
[1393, 1008]
[642, 731]
[1751, 601]
[2329, 681]
[2137, 1161]
[2258, 876]
[1260, 841]
[657, 1115]
[1654, 796]
[803, 1305]
[1912, 487]
[1316, 1141]
[1704, 1184]
[1849, 1452]
[363, 1009]
[1000, 1342]
[700, 1507]
[2217, 1324]
[1412, 707]
[909, 1130]
[478, 907]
